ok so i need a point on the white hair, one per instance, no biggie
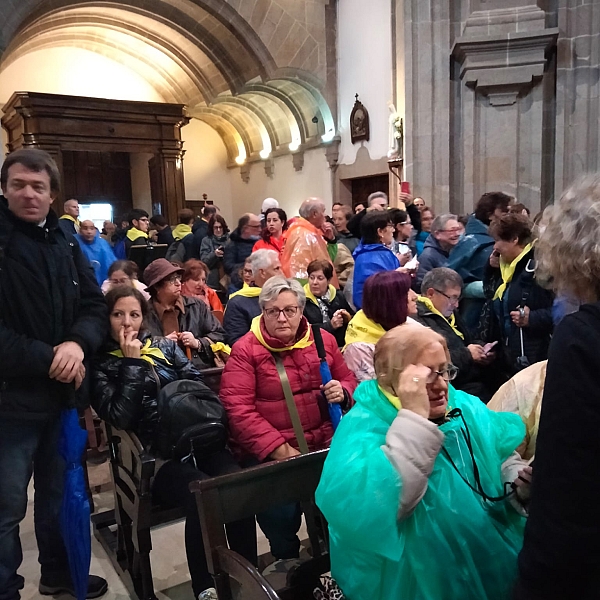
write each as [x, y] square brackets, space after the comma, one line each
[269, 203]
[261, 259]
[441, 221]
[311, 205]
[277, 285]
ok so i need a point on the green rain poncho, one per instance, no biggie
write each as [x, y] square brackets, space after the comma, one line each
[455, 545]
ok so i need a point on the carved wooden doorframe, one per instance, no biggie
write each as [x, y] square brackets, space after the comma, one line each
[55, 123]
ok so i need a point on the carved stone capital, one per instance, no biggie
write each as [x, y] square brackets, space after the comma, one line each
[245, 172]
[298, 161]
[270, 167]
[332, 153]
[503, 66]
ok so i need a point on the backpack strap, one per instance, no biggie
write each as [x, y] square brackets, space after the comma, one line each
[291, 405]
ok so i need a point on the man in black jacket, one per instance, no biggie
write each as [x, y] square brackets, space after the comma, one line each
[239, 247]
[52, 316]
[436, 309]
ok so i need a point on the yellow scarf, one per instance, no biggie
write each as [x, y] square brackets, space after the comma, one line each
[70, 218]
[134, 233]
[221, 347]
[451, 319]
[247, 292]
[305, 342]
[394, 400]
[508, 270]
[310, 296]
[146, 353]
[181, 231]
[362, 329]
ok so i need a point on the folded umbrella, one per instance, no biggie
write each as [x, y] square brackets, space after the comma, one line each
[75, 509]
[335, 410]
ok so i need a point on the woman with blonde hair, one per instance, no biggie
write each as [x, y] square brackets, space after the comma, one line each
[414, 485]
[561, 551]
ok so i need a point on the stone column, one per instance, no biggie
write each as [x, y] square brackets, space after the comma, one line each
[166, 182]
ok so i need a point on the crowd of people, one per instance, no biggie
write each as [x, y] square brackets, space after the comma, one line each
[439, 332]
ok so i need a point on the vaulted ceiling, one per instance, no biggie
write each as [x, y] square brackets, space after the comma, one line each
[254, 70]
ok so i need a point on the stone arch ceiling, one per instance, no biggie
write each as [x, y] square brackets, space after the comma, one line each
[254, 70]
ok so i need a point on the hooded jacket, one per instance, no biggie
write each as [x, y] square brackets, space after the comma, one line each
[370, 259]
[251, 393]
[48, 295]
[100, 255]
[314, 315]
[124, 390]
[471, 255]
[433, 256]
[402, 523]
[237, 250]
[238, 317]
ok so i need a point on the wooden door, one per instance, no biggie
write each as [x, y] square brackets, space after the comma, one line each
[362, 187]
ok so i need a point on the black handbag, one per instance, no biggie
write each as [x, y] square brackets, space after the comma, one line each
[192, 422]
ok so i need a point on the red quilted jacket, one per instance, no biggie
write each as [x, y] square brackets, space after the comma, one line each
[253, 397]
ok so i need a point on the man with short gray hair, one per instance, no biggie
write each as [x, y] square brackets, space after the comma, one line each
[243, 304]
[69, 222]
[437, 308]
[307, 239]
[445, 234]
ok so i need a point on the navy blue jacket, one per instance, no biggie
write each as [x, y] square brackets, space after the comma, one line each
[472, 253]
[238, 317]
[370, 259]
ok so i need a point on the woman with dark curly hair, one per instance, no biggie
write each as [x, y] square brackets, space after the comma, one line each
[212, 250]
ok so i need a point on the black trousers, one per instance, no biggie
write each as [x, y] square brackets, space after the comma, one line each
[171, 489]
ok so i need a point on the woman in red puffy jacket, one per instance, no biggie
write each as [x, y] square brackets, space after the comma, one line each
[251, 391]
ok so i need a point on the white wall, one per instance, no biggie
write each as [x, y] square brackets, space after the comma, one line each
[365, 68]
[74, 71]
[205, 166]
[288, 186]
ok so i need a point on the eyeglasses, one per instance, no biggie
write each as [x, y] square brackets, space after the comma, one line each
[453, 230]
[448, 374]
[453, 299]
[247, 271]
[174, 279]
[289, 312]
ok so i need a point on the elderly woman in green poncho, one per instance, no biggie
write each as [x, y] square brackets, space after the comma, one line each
[417, 485]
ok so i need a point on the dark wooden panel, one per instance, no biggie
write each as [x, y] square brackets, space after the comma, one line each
[362, 187]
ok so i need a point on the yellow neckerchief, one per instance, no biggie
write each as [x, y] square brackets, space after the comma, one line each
[181, 231]
[70, 218]
[247, 292]
[394, 400]
[362, 329]
[304, 342]
[134, 233]
[310, 296]
[146, 353]
[221, 347]
[508, 270]
[451, 320]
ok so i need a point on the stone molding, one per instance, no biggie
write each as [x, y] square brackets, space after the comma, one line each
[503, 66]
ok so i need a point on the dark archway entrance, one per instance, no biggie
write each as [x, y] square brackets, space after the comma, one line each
[61, 124]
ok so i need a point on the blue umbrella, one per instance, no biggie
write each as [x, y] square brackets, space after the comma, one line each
[335, 410]
[75, 509]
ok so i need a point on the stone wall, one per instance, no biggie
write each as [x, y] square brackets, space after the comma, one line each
[499, 94]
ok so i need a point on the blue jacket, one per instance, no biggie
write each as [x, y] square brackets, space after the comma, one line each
[238, 317]
[100, 255]
[433, 256]
[370, 259]
[472, 253]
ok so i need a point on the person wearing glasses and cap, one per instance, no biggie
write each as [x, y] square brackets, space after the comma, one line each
[420, 485]
[437, 309]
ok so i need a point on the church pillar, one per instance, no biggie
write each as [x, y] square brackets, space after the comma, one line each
[166, 182]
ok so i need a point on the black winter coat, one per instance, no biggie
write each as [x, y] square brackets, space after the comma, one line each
[560, 559]
[524, 291]
[207, 255]
[48, 295]
[238, 317]
[459, 353]
[197, 319]
[124, 390]
[314, 316]
[237, 250]
[200, 231]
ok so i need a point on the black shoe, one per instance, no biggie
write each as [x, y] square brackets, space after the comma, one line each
[97, 587]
